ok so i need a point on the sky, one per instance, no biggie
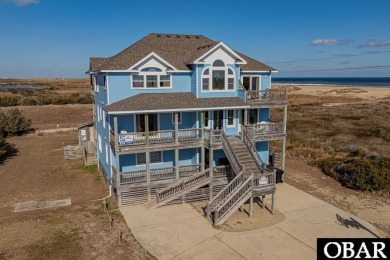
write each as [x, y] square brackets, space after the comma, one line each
[312, 38]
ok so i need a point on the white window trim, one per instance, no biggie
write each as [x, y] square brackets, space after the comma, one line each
[180, 118]
[156, 163]
[210, 77]
[234, 118]
[158, 74]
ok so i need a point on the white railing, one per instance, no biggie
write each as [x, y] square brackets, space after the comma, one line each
[267, 128]
[268, 95]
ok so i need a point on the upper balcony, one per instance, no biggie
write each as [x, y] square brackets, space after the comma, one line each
[137, 142]
[266, 98]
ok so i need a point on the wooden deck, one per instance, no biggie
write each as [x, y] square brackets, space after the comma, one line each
[266, 98]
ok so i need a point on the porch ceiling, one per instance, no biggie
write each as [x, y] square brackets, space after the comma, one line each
[170, 102]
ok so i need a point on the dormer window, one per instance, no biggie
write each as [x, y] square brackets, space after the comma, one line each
[218, 77]
[151, 77]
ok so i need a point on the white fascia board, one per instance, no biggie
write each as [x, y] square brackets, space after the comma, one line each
[136, 71]
[174, 110]
[152, 54]
[220, 44]
[258, 71]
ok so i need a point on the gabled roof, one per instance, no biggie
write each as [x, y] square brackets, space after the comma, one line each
[177, 49]
[168, 102]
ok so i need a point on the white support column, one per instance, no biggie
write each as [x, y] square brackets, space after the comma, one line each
[177, 172]
[117, 168]
[176, 127]
[203, 150]
[284, 139]
[211, 167]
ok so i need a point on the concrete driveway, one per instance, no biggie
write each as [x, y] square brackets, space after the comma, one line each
[180, 232]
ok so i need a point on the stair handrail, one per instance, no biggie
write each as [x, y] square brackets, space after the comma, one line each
[227, 148]
[252, 149]
[232, 200]
[223, 195]
[181, 185]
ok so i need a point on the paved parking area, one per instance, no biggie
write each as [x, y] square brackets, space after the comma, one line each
[180, 232]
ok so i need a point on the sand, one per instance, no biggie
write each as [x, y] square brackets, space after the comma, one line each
[361, 92]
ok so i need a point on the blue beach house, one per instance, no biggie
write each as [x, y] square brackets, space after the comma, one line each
[181, 118]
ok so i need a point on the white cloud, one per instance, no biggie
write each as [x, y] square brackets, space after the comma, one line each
[21, 2]
[369, 44]
[329, 42]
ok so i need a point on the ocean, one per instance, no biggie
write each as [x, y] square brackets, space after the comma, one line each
[382, 82]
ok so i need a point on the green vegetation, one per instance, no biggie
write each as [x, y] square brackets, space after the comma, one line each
[359, 171]
[12, 123]
[25, 98]
[60, 245]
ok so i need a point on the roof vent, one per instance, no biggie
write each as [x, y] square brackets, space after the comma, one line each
[196, 36]
[168, 36]
[158, 35]
[187, 36]
[178, 36]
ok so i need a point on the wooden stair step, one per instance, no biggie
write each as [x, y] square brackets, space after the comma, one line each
[150, 203]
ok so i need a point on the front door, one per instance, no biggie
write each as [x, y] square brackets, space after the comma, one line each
[218, 119]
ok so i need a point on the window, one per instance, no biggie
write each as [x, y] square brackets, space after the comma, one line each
[218, 80]
[138, 81]
[98, 113]
[155, 157]
[95, 82]
[230, 118]
[206, 118]
[165, 81]
[179, 118]
[106, 153]
[220, 77]
[100, 143]
[151, 78]
[140, 122]
[251, 83]
[253, 116]
[151, 81]
[104, 119]
[105, 83]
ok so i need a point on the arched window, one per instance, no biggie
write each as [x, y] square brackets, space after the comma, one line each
[218, 77]
[151, 69]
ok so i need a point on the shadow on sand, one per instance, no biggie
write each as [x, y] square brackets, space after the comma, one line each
[12, 151]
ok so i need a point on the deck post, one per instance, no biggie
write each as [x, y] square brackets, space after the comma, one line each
[118, 168]
[146, 129]
[245, 117]
[176, 127]
[284, 139]
[203, 159]
[251, 207]
[177, 172]
[147, 165]
[211, 168]
[273, 203]
[263, 201]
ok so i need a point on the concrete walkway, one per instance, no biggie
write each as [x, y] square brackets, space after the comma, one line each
[180, 232]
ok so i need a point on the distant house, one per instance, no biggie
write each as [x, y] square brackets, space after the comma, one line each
[178, 116]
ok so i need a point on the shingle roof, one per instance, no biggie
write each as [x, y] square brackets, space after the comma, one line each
[177, 49]
[171, 101]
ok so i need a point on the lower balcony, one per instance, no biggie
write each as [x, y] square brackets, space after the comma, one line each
[167, 173]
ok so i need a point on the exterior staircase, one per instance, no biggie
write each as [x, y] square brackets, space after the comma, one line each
[250, 179]
[178, 189]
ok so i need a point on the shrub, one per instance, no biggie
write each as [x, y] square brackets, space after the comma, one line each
[361, 173]
[27, 101]
[3, 146]
[8, 101]
[14, 123]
